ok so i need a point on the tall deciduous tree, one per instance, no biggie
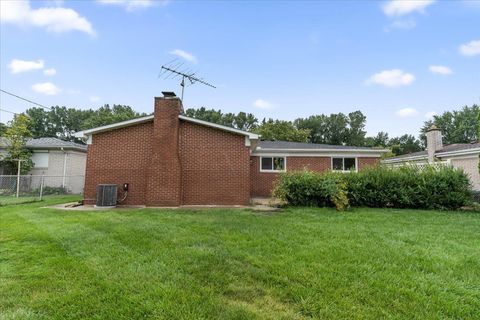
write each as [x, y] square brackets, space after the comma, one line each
[404, 144]
[336, 128]
[17, 134]
[459, 126]
[282, 130]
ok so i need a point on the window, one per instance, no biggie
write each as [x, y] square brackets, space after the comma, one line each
[344, 164]
[40, 159]
[272, 164]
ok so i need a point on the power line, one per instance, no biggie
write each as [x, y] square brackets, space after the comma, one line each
[4, 110]
[25, 99]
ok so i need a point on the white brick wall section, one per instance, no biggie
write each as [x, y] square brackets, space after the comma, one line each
[470, 166]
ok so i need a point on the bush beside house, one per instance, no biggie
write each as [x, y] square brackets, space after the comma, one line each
[377, 187]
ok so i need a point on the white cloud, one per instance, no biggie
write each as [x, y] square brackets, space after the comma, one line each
[440, 70]
[50, 72]
[407, 112]
[131, 5]
[402, 24]
[471, 48]
[430, 115]
[403, 7]
[391, 78]
[46, 88]
[19, 66]
[94, 99]
[185, 55]
[263, 104]
[53, 19]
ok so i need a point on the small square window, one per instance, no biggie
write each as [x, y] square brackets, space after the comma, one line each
[279, 164]
[267, 164]
[337, 163]
[349, 164]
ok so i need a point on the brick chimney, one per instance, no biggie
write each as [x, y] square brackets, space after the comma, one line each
[434, 142]
[164, 173]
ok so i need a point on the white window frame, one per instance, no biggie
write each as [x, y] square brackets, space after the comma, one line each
[343, 163]
[273, 170]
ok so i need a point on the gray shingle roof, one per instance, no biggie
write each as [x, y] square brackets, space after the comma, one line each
[48, 143]
[286, 145]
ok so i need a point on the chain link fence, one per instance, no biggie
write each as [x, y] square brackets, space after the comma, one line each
[26, 188]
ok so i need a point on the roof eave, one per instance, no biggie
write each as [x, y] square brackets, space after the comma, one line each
[118, 125]
[220, 127]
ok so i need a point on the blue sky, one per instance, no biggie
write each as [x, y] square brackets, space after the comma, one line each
[396, 61]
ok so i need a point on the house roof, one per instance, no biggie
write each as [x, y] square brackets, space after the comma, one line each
[267, 146]
[132, 122]
[48, 143]
[447, 150]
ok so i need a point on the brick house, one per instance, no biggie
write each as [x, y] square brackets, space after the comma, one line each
[169, 159]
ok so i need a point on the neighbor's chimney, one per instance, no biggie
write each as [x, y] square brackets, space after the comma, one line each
[434, 142]
[164, 175]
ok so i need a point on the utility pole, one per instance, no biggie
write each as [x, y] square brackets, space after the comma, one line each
[18, 174]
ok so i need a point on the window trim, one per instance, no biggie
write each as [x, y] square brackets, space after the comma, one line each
[343, 162]
[273, 170]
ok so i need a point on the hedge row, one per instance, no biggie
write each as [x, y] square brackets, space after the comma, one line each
[377, 187]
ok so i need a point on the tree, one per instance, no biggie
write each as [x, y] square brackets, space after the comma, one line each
[337, 128]
[63, 122]
[241, 120]
[17, 134]
[106, 115]
[404, 144]
[3, 128]
[282, 130]
[459, 126]
[380, 140]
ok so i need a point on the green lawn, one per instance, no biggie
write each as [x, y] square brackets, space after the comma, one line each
[236, 264]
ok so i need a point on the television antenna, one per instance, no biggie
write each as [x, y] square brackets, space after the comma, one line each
[174, 70]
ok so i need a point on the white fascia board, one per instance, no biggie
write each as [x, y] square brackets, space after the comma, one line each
[118, 125]
[219, 126]
[330, 153]
[325, 150]
[458, 153]
[406, 159]
[321, 152]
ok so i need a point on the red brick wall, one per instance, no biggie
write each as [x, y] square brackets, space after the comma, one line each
[164, 173]
[215, 166]
[367, 162]
[261, 183]
[117, 157]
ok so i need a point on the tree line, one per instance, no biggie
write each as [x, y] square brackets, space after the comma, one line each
[459, 126]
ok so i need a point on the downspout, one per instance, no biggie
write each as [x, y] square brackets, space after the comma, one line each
[64, 167]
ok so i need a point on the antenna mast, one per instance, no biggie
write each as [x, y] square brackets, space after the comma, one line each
[173, 71]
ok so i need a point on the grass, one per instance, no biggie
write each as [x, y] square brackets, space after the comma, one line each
[236, 264]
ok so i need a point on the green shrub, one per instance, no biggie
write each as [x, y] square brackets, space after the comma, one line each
[380, 187]
[307, 188]
[409, 187]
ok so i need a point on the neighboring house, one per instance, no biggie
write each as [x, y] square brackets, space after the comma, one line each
[169, 159]
[461, 155]
[61, 162]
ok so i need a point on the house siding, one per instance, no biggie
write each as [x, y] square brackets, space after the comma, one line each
[262, 183]
[215, 166]
[470, 166]
[117, 157]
